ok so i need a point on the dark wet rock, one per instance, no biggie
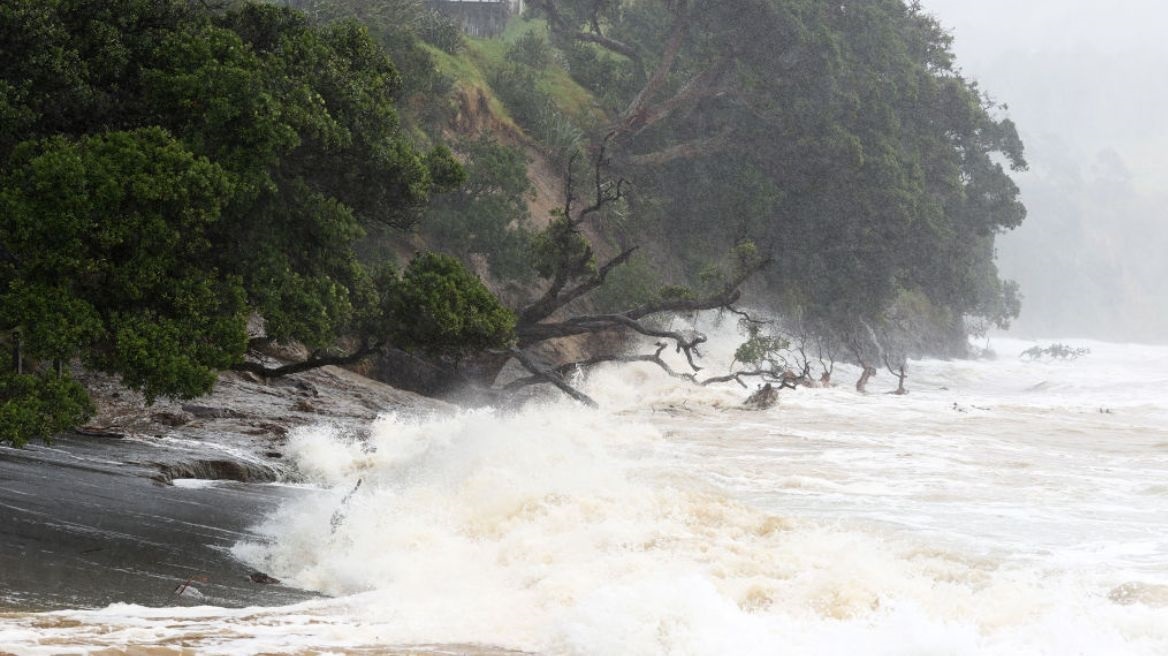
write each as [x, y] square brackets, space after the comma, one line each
[84, 526]
[251, 377]
[86, 522]
[94, 431]
[304, 405]
[172, 418]
[217, 470]
[267, 428]
[210, 412]
[262, 579]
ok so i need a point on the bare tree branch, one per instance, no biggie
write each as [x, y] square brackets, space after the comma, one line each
[900, 374]
[555, 298]
[594, 323]
[566, 271]
[685, 150]
[661, 73]
[737, 376]
[560, 26]
[607, 191]
[569, 367]
[552, 377]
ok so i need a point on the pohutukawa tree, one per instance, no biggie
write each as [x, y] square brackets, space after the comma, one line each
[168, 170]
[564, 256]
[839, 136]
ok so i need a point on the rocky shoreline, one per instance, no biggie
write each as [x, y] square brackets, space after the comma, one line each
[96, 517]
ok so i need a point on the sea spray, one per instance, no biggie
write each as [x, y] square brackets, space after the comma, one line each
[986, 514]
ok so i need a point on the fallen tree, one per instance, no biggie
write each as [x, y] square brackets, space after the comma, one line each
[564, 255]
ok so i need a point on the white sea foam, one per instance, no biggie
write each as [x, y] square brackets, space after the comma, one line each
[1000, 508]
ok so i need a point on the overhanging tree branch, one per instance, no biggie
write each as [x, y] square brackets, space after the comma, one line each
[555, 298]
[560, 26]
[550, 376]
[313, 362]
[720, 142]
[601, 322]
[565, 369]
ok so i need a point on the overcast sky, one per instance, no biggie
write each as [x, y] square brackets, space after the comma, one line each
[1087, 83]
[1092, 73]
[985, 26]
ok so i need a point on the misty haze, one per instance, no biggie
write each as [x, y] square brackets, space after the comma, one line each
[1085, 83]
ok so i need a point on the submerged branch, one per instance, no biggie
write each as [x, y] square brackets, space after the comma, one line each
[550, 376]
[565, 369]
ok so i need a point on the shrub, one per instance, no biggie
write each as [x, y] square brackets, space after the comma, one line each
[516, 86]
[532, 50]
[441, 308]
[487, 215]
[39, 405]
[441, 31]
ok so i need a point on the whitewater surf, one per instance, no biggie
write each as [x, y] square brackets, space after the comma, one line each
[1001, 507]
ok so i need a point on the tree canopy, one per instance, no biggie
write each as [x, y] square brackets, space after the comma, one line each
[842, 137]
[169, 170]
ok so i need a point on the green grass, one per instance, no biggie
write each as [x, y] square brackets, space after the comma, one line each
[472, 68]
[467, 75]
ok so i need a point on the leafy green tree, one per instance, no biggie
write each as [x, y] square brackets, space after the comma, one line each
[113, 261]
[487, 215]
[842, 137]
[300, 118]
[39, 405]
[440, 308]
[399, 26]
[170, 169]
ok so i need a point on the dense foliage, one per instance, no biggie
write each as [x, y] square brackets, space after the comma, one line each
[441, 308]
[842, 136]
[487, 215]
[113, 259]
[169, 170]
[39, 405]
